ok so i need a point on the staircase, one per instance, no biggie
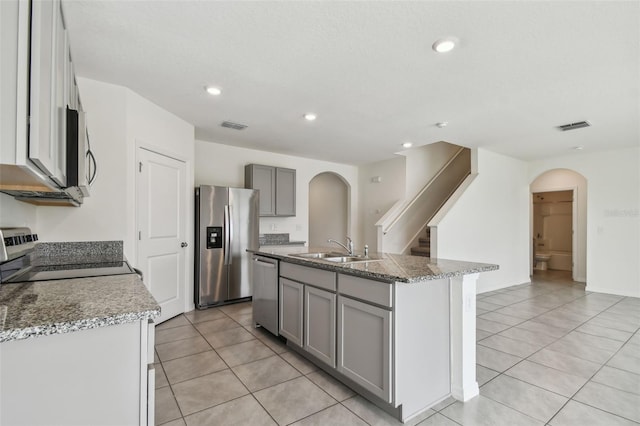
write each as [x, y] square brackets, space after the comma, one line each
[402, 227]
[424, 245]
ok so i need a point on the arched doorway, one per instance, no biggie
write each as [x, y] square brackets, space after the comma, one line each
[328, 209]
[559, 201]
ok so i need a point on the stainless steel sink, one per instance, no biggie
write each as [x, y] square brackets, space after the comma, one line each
[350, 259]
[335, 257]
[317, 255]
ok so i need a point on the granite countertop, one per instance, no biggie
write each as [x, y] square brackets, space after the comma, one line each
[390, 267]
[42, 308]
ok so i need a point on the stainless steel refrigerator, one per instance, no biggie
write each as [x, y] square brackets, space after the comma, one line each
[226, 226]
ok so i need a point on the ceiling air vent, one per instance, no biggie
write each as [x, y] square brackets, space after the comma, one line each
[234, 126]
[573, 126]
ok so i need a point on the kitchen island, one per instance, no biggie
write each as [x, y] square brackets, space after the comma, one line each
[77, 351]
[398, 329]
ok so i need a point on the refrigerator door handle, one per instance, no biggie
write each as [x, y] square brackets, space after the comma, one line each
[227, 239]
[230, 232]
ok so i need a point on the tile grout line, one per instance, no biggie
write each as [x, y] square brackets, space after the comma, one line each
[252, 393]
[557, 339]
[550, 292]
[222, 359]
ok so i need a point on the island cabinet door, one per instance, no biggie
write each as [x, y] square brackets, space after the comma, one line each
[320, 324]
[364, 345]
[291, 307]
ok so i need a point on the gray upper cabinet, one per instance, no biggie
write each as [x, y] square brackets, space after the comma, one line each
[262, 178]
[277, 188]
[285, 192]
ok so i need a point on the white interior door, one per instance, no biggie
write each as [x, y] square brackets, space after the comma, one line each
[161, 208]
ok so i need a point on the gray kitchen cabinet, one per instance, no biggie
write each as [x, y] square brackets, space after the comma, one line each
[291, 309]
[262, 178]
[277, 188]
[387, 340]
[364, 345]
[320, 324]
[285, 192]
[317, 309]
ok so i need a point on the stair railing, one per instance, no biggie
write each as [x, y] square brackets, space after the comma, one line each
[406, 219]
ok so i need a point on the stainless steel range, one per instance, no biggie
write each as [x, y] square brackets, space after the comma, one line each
[19, 261]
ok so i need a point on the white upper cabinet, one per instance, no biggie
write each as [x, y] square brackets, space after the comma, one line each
[48, 90]
[37, 85]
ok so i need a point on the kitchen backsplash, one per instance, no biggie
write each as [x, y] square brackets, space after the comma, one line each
[111, 249]
[277, 240]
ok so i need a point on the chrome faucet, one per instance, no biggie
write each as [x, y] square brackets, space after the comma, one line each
[349, 249]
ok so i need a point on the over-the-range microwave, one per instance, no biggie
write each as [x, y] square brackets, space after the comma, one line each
[81, 168]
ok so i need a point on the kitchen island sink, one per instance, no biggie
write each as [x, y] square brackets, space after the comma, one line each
[317, 255]
[336, 257]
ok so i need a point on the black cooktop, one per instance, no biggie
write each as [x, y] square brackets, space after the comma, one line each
[23, 272]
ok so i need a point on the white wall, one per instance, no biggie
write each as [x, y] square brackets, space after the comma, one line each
[151, 127]
[423, 163]
[613, 216]
[119, 122]
[16, 213]
[489, 223]
[561, 179]
[103, 215]
[328, 209]
[218, 164]
[378, 197]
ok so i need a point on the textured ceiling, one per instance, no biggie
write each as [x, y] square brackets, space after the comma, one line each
[368, 71]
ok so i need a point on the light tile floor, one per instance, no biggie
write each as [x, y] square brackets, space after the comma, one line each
[548, 353]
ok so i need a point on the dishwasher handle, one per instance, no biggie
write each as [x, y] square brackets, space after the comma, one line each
[263, 263]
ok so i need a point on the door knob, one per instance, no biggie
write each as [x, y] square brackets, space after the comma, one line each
[183, 244]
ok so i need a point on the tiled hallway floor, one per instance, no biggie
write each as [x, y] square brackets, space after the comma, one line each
[548, 353]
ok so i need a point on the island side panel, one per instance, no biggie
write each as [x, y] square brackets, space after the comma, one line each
[463, 337]
[422, 345]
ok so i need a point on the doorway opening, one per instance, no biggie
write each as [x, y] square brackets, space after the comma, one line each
[558, 224]
[553, 230]
[328, 209]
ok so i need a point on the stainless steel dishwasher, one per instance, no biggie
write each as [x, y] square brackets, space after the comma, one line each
[265, 293]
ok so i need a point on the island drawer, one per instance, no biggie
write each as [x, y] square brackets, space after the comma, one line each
[312, 276]
[377, 292]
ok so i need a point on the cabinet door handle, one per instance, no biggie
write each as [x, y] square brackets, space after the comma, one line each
[184, 244]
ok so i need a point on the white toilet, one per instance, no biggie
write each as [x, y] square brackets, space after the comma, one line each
[541, 261]
[542, 256]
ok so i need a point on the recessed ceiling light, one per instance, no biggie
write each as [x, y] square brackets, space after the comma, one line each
[442, 124]
[215, 91]
[407, 145]
[310, 116]
[578, 148]
[444, 45]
